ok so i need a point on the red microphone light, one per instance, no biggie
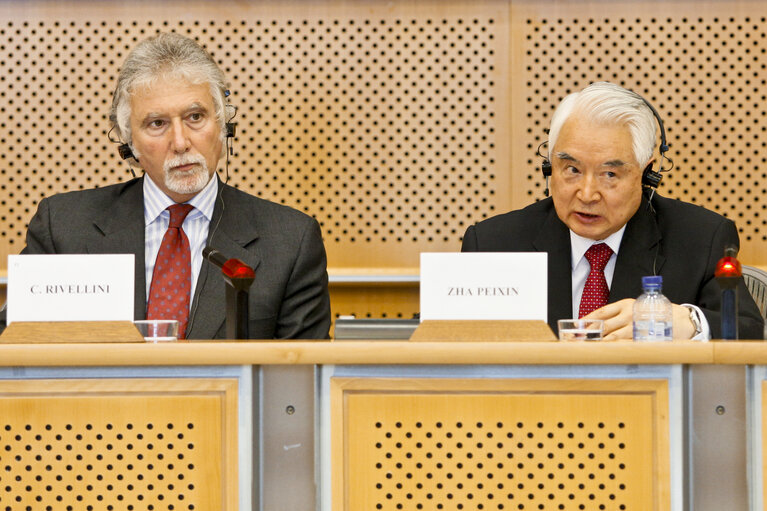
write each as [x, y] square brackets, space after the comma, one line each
[236, 269]
[728, 267]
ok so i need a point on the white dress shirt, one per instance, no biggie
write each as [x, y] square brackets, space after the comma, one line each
[581, 269]
[196, 225]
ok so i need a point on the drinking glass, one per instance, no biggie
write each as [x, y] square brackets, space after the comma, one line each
[580, 329]
[158, 330]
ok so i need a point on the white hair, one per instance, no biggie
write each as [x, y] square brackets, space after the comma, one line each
[607, 103]
[164, 56]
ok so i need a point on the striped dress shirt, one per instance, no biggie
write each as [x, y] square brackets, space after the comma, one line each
[196, 225]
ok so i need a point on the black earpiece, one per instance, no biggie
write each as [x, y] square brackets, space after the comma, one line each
[126, 152]
[546, 171]
[545, 167]
[231, 129]
[651, 178]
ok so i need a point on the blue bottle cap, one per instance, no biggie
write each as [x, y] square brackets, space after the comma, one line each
[652, 281]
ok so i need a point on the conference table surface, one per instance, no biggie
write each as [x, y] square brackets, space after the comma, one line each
[381, 352]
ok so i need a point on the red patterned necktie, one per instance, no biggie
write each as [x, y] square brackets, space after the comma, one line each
[172, 275]
[595, 292]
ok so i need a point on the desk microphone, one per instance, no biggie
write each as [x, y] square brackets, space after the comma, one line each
[238, 277]
[232, 268]
[728, 274]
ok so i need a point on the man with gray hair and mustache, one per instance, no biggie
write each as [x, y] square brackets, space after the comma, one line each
[170, 109]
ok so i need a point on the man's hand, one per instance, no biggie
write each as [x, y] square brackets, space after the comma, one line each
[618, 318]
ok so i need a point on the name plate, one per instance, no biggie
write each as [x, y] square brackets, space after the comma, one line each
[477, 285]
[68, 287]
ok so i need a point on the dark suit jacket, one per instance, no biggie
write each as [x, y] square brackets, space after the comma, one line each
[289, 297]
[680, 241]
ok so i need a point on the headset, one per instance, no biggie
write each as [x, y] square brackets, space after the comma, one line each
[650, 178]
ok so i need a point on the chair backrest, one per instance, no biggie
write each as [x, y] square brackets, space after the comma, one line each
[756, 282]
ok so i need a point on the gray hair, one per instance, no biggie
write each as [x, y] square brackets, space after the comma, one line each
[166, 55]
[605, 102]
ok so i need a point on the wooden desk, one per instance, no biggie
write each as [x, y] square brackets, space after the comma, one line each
[632, 400]
[364, 353]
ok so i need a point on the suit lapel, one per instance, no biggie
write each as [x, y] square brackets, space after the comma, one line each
[236, 230]
[122, 226]
[639, 255]
[554, 238]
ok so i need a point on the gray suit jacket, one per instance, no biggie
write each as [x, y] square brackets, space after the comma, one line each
[289, 297]
[679, 241]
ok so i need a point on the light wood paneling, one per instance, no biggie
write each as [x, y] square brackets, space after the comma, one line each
[385, 121]
[375, 300]
[395, 124]
[24, 332]
[519, 330]
[699, 63]
[119, 444]
[371, 352]
[499, 444]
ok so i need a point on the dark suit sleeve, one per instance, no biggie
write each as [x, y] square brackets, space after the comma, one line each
[750, 323]
[470, 240]
[305, 309]
[39, 238]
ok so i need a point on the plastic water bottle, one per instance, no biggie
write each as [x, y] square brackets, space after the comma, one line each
[653, 316]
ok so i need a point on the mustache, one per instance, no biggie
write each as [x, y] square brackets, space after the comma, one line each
[184, 159]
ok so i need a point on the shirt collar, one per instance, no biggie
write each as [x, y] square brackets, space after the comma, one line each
[155, 200]
[579, 245]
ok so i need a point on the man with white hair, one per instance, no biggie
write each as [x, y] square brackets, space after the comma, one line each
[603, 230]
[170, 109]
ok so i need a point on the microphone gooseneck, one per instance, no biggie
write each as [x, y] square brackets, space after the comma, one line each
[214, 256]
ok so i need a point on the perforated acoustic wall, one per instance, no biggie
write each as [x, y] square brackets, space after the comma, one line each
[382, 127]
[395, 124]
[703, 68]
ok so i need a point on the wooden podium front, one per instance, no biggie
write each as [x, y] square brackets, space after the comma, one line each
[479, 443]
[118, 443]
[383, 425]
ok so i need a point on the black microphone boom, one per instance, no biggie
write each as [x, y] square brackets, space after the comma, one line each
[238, 277]
[214, 256]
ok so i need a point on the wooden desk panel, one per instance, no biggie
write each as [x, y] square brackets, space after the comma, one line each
[497, 443]
[118, 444]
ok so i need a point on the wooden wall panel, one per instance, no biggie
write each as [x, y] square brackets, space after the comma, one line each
[398, 301]
[395, 124]
[701, 64]
[387, 122]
